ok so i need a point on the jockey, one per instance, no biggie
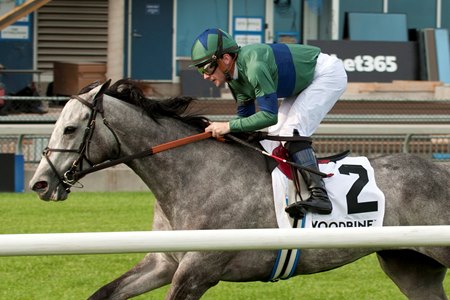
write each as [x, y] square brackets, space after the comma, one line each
[309, 82]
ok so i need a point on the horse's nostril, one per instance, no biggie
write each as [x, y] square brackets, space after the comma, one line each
[40, 185]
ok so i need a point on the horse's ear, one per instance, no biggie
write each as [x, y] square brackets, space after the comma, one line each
[103, 88]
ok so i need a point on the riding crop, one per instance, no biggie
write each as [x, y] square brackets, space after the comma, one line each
[279, 159]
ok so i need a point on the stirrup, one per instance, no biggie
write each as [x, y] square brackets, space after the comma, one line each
[314, 208]
[296, 211]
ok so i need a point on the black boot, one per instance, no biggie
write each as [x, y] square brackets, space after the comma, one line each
[318, 202]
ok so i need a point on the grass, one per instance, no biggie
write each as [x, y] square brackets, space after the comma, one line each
[78, 276]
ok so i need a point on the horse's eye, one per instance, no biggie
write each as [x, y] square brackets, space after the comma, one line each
[69, 129]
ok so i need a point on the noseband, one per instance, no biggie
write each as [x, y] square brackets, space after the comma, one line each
[70, 178]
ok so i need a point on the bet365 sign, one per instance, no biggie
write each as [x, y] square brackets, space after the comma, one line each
[367, 61]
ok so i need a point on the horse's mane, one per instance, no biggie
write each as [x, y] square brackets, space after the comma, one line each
[131, 92]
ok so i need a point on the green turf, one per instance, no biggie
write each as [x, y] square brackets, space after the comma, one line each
[78, 276]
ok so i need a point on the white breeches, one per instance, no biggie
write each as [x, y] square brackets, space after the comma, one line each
[306, 110]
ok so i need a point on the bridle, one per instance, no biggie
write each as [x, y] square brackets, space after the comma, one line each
[75, 172]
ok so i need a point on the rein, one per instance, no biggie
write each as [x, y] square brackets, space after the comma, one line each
[179, 143]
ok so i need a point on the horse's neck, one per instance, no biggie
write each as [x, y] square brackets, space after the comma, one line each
[195, 181]
[163, 172]
[138, 132]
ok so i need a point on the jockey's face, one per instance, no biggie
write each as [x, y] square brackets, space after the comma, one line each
[218, 77]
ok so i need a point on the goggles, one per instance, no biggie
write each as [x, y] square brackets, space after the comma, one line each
[208, 69]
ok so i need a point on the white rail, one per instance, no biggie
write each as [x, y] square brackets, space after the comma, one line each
[46, 129]
[26, 129]
[222, 240]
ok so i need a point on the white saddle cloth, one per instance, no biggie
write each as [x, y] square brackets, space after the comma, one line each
[356, 199]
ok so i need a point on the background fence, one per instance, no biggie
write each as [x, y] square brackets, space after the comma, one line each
[369, 127]
[432, 146]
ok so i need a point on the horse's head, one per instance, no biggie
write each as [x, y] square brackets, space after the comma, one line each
[81, 137]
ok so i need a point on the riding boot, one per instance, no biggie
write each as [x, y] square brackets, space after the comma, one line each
[318, 202]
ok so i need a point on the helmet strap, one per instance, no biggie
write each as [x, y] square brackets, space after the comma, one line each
[219, 49]
[227, 71]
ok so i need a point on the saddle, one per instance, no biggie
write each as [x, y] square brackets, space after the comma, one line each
[290, 167]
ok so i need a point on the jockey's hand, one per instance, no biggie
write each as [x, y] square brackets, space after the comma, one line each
[218, 129]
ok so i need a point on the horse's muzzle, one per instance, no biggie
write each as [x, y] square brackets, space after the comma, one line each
[43, 190]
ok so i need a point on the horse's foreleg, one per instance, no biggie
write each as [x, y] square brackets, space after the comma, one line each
[196, 273]
[416, 275]
[154, 271]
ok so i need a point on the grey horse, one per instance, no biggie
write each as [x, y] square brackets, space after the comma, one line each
[214, 185]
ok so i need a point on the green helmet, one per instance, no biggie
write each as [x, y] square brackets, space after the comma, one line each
[210, 45]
